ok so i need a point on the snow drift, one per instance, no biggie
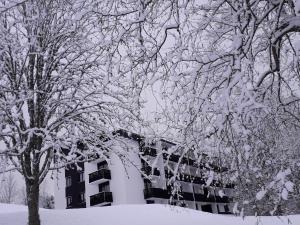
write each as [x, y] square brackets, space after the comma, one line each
[134, 215]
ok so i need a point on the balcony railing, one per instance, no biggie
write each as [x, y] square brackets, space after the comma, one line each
[166, 194]
[102, 197]
[196, 180]
[185, 178]
[148, 171]
[192, 162]
[103, 174]
[156, 193]
[149, 151]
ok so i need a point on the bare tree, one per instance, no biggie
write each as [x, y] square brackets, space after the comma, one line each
[71, 73]
[56, 89]
[230, 65]
[8, 188]
[265, 164]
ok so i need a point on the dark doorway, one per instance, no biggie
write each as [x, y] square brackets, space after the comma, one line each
[206, 208]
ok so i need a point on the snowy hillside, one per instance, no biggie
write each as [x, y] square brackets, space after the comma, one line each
[134, 215]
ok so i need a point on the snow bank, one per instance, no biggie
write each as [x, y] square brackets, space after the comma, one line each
[11, 208]
[138, 215]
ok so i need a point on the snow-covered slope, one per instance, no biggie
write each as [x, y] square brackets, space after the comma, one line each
[134, 215]
[11, 208]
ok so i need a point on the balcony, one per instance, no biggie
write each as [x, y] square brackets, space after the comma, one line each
[185, 178]
[193, 162]
[176, 158]
[149, 151]
[99, 176]
[148, 171]
[166, 194]
[224, 199]
[156, 193]
[196, 180]
[101, 198]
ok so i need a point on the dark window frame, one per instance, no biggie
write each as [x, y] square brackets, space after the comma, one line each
[68, 181]
[81, 177]
[82, 197]
[102, 165]
[104, 187]
[69, 200]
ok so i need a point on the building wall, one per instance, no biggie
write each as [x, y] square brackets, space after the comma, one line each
[90, 189]
[60, 190]
[126, 182]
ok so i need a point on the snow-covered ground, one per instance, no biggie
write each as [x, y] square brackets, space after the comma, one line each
[134, 215]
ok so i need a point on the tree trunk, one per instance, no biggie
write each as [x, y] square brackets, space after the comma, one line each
[33, 203]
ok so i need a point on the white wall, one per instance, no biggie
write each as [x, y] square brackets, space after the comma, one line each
[60, 189]
[126, 182]
[90, 189]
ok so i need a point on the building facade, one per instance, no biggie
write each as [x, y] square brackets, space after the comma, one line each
[144, 175]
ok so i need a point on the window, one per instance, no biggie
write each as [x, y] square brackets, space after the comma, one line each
[104, 187]
[82, 197]
[226, 208]
[68, 181]
[81, 177]
[69, 200]
[102, 165]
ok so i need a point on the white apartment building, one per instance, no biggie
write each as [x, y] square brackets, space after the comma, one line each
[120, 181]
